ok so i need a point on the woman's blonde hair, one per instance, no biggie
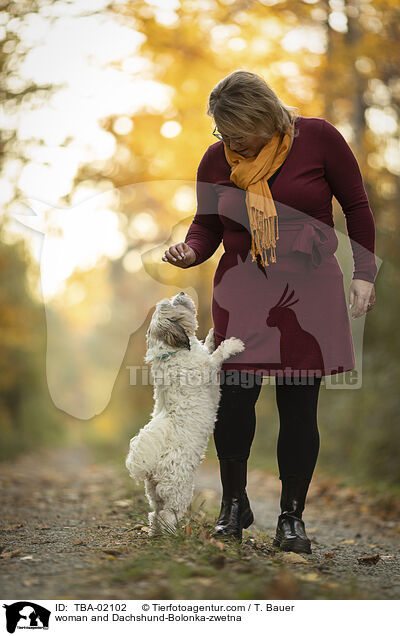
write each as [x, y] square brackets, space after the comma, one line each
[242, 103]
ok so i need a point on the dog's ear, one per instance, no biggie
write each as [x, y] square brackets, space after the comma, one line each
[177, 336]
[171, 332]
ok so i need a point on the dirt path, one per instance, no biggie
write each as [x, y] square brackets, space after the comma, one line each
[63, 515]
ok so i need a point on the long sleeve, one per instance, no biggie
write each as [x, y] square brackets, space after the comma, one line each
[205, 233]
[344, 177]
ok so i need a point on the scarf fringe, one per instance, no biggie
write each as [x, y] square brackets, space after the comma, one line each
[252, 176]
[265, 233]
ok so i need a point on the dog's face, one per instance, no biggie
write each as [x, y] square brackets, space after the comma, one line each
[173, 321]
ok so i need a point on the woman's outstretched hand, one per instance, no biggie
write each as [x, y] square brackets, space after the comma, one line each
[362, 294]
[180, 255]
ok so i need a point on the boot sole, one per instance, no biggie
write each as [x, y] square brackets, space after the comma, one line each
[293, 545]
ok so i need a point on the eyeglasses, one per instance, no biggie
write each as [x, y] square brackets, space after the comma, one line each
[227, 139]
[239, 140]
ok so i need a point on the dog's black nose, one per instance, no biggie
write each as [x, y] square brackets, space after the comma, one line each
[181, 293]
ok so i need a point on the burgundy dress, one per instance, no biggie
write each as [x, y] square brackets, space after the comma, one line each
[292, 315]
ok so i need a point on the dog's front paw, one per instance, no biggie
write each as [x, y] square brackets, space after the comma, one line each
[210, 340]
[232, 346]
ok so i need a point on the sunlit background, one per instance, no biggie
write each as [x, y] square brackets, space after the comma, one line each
[103, 125]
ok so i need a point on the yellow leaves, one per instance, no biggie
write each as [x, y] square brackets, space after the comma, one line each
[218, 544]
[292, 557]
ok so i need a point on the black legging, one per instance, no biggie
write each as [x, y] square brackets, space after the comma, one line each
[298, 440]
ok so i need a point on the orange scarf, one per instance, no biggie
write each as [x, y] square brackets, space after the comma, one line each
[251, 174]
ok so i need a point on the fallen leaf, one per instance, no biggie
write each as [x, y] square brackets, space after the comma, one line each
[329, 555]
[123, 503]
[369, 560]
[218, 544]
[10, 554]
[292, 557]
[28, 556]
[347, 541]
[112, 551]
[188, 529]
[204, 535]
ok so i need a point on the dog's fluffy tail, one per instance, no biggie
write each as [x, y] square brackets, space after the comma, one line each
[146, 447]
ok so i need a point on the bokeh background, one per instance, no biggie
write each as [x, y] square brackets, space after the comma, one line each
[103, 125]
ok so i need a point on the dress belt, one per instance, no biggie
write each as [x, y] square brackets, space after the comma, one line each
[314, 238]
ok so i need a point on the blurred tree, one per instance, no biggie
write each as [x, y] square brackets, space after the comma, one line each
[27, 415]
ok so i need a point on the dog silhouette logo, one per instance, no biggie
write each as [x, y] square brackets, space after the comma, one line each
[26, 615]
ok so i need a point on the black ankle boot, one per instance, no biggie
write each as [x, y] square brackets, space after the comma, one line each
[235, 513]
[290, 531]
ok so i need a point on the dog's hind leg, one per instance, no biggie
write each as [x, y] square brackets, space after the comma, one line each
[167, 520]
[151, 493]
[154, 524]
[176, 504]
[156, 502]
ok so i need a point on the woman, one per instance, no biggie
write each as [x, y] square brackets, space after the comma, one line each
[265, 189]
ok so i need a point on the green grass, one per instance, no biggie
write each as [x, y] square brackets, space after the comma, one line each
[191, 564]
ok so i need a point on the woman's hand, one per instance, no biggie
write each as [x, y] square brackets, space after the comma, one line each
[180, 255]
[362, 293]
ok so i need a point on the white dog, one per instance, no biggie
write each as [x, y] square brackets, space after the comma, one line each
[166, 452]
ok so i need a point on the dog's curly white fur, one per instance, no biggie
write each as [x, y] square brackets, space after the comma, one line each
[166, 452]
